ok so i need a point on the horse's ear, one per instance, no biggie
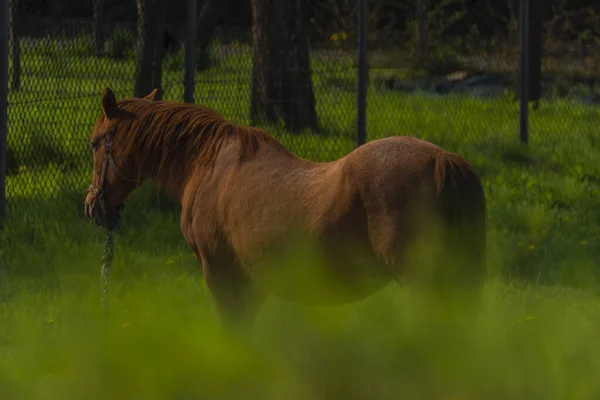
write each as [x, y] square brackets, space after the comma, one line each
[151, 95]
[109, 104]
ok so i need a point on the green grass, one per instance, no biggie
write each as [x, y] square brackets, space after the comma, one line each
[532, 338]
[161, 339]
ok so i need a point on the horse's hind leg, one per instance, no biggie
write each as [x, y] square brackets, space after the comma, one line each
[392, 240]
[236, 298]
[385, 239]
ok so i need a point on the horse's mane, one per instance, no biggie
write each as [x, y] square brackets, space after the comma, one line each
[179, 136]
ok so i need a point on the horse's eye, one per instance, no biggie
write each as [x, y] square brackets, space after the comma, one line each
[94, 145]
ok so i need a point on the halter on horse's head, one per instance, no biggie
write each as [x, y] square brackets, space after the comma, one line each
[101, 205]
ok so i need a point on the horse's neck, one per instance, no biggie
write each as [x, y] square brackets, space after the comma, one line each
[170, 177]
[175, 175]
[173, 179]
[173, 187]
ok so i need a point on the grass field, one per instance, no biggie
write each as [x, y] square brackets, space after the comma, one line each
[534, 336]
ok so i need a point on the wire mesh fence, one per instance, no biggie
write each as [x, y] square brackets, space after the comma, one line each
[466, 99]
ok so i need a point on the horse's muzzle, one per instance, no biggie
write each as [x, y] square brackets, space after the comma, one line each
[89, 211]
[102, 217]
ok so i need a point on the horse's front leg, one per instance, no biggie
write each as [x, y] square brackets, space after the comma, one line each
[236, 297]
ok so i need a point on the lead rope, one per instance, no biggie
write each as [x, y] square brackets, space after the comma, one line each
[107, 258]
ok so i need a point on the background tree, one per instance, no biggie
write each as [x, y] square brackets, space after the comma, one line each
[281, 75]
[421, 30]
[208, 17]
[151, 26]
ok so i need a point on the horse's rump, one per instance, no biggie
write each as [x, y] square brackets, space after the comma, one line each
[426, 212]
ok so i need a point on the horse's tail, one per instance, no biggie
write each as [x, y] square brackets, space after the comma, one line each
[462, 204]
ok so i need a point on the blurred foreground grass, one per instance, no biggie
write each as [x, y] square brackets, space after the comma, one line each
[162, 339]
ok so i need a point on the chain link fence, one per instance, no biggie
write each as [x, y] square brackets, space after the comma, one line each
[461, 96]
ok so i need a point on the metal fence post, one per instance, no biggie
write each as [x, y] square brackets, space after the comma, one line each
[190, 51]
[524, 65]
[361, 120]
[3, 105]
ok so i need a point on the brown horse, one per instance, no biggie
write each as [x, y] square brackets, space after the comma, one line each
[264, 221]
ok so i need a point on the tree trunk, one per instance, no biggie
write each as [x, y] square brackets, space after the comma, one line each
[98, 27]
[159, 49]
[421, 31]
[281, 74]
[15, 49]
[151, 24]
[205, 28]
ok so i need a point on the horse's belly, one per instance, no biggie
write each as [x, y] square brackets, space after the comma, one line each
[329, 277]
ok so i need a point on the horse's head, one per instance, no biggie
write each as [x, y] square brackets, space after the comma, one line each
[115, 175]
